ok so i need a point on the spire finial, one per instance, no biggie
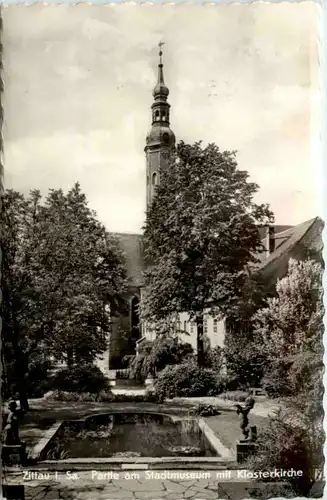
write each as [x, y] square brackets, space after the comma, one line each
[160, 44]
[160, 91]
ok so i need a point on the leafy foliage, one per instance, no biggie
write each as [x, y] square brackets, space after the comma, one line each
[63, 276]
[187, 380]
[290, 441]
[290, 329]
[80, 378]
[204, 410]
[155, 356]
[201, 235]
[245, 360]
[214, 358]
[275, 380]
[140, 365]
[292, 321]
[103, 396]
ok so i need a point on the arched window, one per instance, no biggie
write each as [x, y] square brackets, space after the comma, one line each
[163, 117]
[135, 320]
[157, 115]
[154, 179]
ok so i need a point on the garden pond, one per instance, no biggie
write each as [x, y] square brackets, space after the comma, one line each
[129, 435]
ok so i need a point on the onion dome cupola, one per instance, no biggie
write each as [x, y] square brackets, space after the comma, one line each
[160, 132]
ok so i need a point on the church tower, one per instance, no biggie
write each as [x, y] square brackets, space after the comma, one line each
[160, 141]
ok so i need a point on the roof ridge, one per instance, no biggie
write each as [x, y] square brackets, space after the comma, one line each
[275, 255]
[296, 225]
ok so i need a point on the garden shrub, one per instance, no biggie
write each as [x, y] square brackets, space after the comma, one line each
[204, 410]
[272, 491]
[276, 381]
[187, 380]
[291, 441]
[80, 378]
[214, 358]
[155, 356]
[246, 363]
[36, 379]
[70, 396]
[103, 397]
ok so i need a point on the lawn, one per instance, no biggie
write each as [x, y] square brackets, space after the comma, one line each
[226, 426]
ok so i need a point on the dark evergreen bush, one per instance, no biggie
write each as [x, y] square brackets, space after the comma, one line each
[80, 378]
[187, 380]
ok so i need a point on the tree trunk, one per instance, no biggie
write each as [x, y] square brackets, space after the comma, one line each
[70, 357]
[21, 372]
[200, 340]
[23, 400]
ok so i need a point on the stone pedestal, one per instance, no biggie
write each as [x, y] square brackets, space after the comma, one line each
[13, 492]
[13, 454]
[244, 449]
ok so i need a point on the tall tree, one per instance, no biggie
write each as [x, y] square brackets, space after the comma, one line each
[63, 278]
[201, 236]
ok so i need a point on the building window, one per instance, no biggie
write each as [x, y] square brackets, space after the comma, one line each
[154, 179]
[185, 326]
[205, 326]
[147, 180]
[192, 327]
[157, 115]
[215, 326]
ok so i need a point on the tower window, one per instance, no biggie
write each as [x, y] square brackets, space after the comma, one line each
[147, 180]
[154, 179]
[163, 117]
[165, 137]
[157, 115]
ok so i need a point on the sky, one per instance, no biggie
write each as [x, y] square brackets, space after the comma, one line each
[78, 92]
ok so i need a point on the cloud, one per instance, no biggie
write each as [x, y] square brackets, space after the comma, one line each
[78, 82]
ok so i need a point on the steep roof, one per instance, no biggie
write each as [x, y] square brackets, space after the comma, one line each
[299, 242]
[277, 229]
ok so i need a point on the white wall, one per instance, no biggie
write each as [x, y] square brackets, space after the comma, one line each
[214, 330]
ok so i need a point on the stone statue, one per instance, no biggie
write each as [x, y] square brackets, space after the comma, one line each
[244, 412]
[11, 430]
